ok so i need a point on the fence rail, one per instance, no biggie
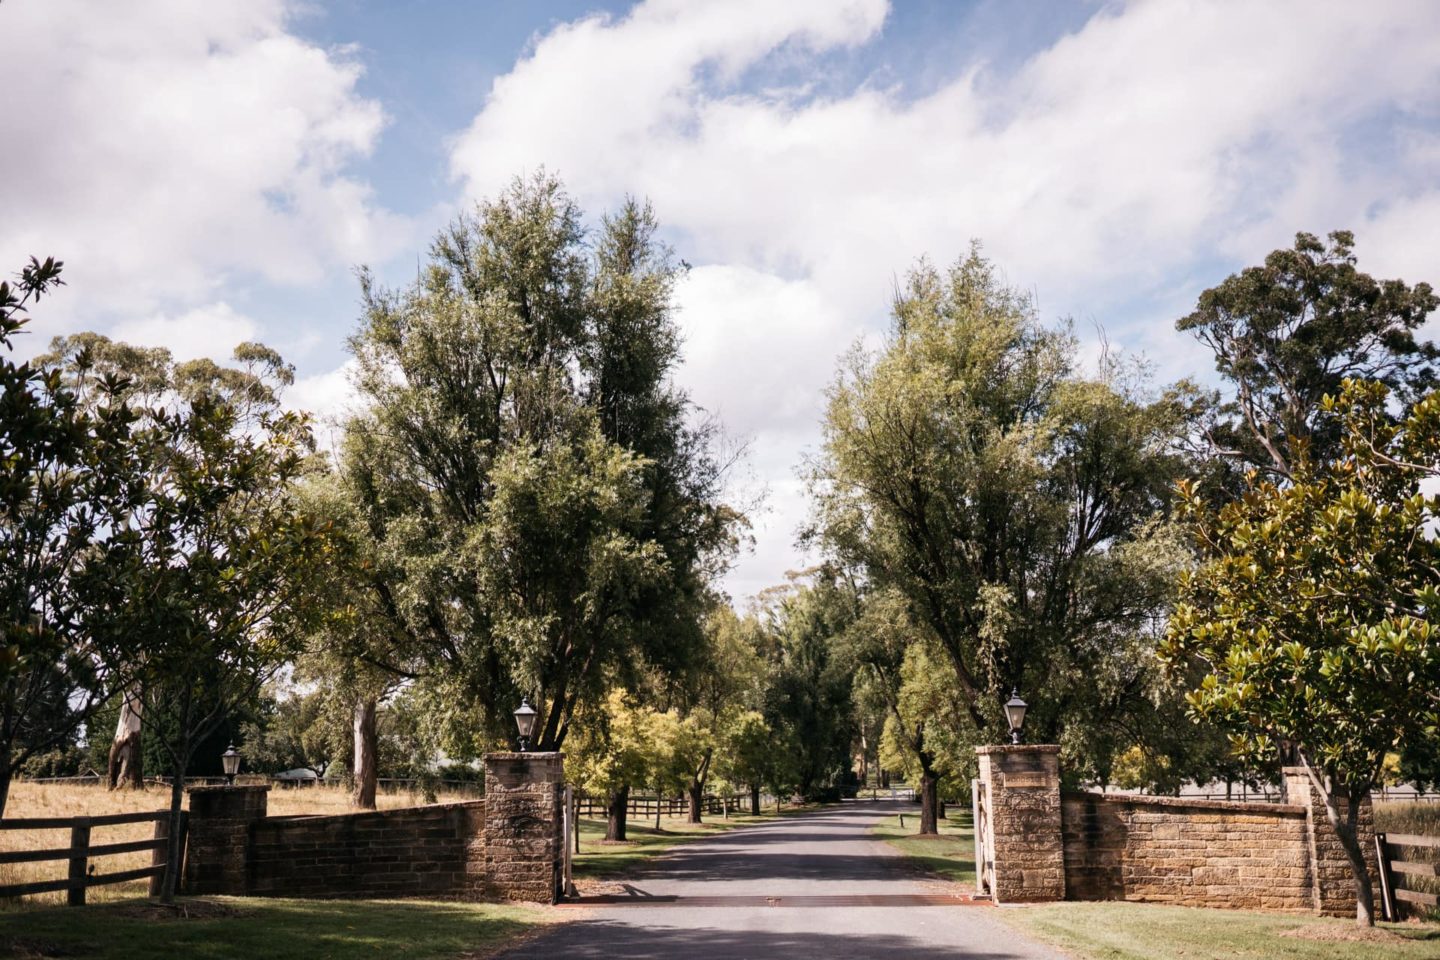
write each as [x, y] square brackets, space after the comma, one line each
[80, 851]
[669, 807]
[1390, 851]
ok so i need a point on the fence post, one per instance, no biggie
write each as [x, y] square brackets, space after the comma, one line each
[158, 856]
[79, 856]
[1387, 891]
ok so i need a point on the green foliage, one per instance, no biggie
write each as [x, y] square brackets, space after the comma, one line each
[207, 578]
[1288, 333]
[808, 694]
[63, 470]
[1312, 617]
[747, 753]
[612, 747]
[1314, 610]
[297, 732]
[540, 517]
[1011, 513]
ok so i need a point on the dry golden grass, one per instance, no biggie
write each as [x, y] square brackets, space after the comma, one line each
[92, 800]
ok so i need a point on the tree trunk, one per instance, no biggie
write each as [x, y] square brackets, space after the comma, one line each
[366, 748]
[126, 767]
[175, 842]
[616, 812]
[754, 799]
[5, 776]
[697, 788]
[929, 800]
[659, 799]
[694, 792]
[1346, 829]
[175, 839]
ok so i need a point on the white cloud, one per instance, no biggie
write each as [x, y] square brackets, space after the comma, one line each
[1159, 136]
[328, 396]
[164, 147]
[213, 331]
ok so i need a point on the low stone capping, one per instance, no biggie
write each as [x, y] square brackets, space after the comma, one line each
[1017, 749]
[1196, 803]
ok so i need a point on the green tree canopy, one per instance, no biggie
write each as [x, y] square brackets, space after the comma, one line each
[1287, 333]
[545, 516]
[1016, 507]
[64, 468]
[207, 581]
[1313, 615]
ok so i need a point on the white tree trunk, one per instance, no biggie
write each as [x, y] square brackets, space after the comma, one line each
[127, 760]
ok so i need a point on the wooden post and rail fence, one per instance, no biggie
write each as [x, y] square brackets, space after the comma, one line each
[645, 806]
[1400, 865]
[83, 849]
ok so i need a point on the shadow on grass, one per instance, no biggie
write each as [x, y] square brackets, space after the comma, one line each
[223, 927]
[950, 855]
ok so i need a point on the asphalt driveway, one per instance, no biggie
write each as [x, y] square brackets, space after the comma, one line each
[813, 885]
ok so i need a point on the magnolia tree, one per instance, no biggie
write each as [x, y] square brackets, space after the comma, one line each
[1312, 615]
[63, 469]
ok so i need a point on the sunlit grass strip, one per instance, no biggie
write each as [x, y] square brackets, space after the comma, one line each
[950, 855]
[1141, 931]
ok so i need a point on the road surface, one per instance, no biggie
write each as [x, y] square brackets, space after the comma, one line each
[811, 885]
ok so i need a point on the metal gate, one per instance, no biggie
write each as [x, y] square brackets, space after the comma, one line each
[984, 840]
[569, 843]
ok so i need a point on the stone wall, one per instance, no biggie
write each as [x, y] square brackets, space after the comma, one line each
[437, 850]
[1334, 886]
[507, 846]
[1210, 853]
[1202, 853]
[1193, 852]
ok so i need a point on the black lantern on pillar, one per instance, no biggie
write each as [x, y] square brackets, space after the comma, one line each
[525, 722]
[230, 762]
[1015, 714]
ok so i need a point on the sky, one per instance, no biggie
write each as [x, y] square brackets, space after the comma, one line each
[213, 171]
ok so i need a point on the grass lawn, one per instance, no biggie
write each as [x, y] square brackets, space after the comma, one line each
[599, 860]
[280, 929]
[950, 855]
[1141, 931]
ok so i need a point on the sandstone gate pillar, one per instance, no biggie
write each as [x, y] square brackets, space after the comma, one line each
[1022, 796]
[219, 837]
[1330, 870]
[524, 799]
